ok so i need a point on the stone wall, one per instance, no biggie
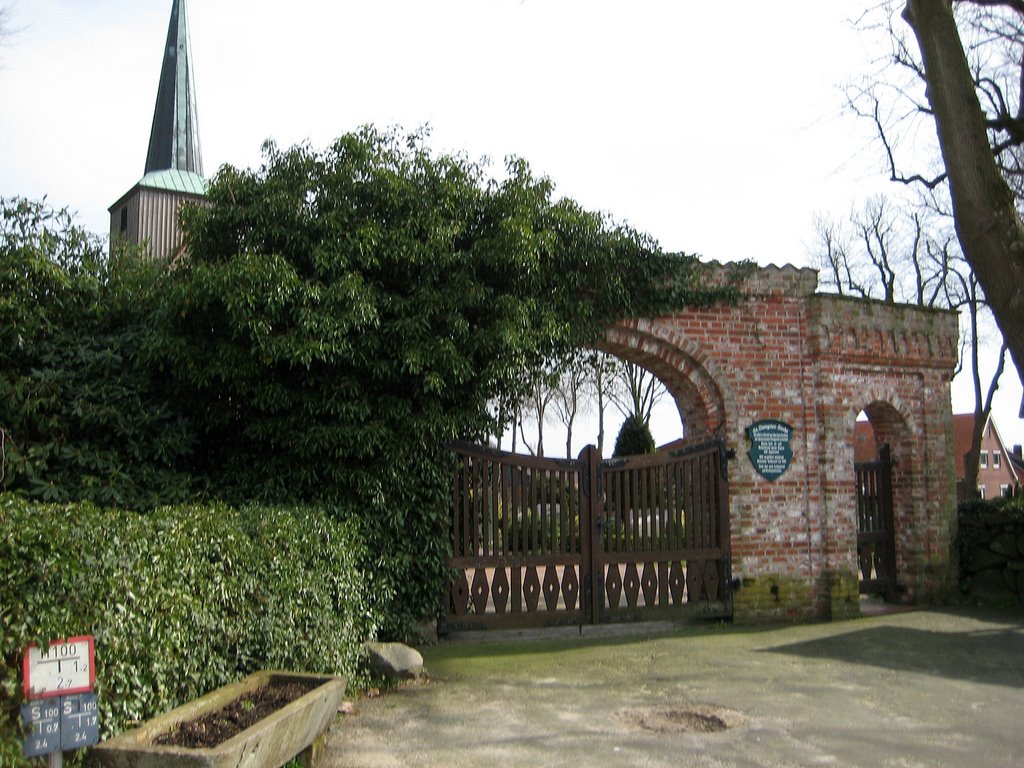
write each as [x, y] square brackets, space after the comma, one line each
[992, 552]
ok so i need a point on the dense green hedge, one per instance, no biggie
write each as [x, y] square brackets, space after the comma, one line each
[180, 601]
[82, 418]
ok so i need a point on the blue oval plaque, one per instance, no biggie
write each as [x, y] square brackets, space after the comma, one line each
[770, 452]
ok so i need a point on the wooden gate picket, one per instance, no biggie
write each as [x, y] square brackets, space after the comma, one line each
[539, 542]
[664, 535]
[517, 542]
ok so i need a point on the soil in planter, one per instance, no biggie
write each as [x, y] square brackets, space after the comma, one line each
[215, 727]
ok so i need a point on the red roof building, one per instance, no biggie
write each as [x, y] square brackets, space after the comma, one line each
[997, 474]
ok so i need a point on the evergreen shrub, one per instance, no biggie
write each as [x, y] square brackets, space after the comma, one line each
[635, 438]
[180, 601]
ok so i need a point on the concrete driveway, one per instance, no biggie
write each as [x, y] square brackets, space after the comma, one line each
[925, 688]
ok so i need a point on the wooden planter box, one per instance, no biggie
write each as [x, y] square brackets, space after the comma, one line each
[270, 743]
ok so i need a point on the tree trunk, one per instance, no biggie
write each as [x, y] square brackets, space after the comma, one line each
[568, 436]
[540, 430]
[988, 225]
[515, 425]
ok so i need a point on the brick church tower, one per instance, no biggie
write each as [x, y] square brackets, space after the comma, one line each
[148, 212]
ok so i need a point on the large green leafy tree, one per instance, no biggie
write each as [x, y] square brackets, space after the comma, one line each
[80, 416]
[343, 314]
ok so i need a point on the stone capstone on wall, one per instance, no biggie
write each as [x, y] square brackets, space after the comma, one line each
[874, 332]
[772, 280]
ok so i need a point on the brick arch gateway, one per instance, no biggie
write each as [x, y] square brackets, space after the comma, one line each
[760, 512]
[813, 361]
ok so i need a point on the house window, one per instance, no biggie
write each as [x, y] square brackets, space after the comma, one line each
[1004, 490]
[981, 491]
[996, 457]
[124, 219]
[983, 459]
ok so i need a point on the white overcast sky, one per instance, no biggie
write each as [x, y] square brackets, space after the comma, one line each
[718, 128]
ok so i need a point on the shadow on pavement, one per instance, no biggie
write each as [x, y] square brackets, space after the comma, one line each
[994, 656]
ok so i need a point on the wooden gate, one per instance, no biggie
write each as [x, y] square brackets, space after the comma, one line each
[876, 539]
[538, 542]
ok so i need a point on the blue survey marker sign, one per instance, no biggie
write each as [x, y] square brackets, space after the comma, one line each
[42, 722]
[61, 724]
[79, 721]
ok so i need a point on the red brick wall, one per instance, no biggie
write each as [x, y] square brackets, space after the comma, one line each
[815, 362]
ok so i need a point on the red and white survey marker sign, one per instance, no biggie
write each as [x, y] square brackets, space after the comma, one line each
[64, 668]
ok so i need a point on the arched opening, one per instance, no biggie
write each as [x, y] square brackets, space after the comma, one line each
[698, 398]
[883, 468]
[692, 413]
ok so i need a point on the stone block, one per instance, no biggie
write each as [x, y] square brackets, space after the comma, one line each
[986, 559]
[1004, 544]
[394, 660]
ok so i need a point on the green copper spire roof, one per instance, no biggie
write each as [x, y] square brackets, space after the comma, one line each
[174, 138]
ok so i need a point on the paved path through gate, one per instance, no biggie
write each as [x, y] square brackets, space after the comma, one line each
[947, 692]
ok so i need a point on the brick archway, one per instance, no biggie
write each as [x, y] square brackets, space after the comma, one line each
[813, 361]
[894, 426]
[701, 395]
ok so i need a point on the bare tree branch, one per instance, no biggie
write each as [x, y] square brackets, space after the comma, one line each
[876, 230]
[920, 280]
[893, 174]
[1013, 5]
[641, 391]
[941, 257]
[994, 384]
[571, 396]
[832, 257]
[991, 89]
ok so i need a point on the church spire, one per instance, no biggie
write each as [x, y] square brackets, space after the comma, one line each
[174, 138]
[147, 215]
